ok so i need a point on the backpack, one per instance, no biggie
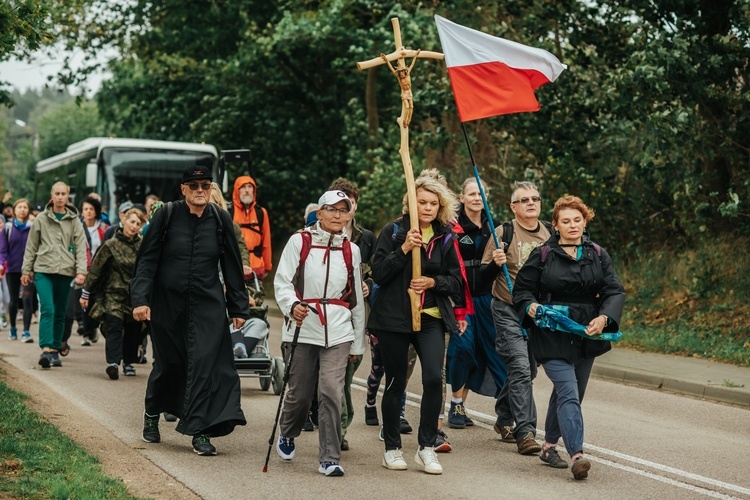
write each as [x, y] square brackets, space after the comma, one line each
[219, 227]
[348, 298]
[253, 226]
[508, 231]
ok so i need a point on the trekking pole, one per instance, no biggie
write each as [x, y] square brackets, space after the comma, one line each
[283, 385]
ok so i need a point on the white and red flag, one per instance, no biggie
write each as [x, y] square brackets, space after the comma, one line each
[492, 76]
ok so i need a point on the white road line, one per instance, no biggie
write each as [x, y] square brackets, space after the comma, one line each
[414, 399]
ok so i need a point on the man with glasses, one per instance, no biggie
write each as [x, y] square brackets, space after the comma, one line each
[176, 287]
[321, 267]
[522, 234]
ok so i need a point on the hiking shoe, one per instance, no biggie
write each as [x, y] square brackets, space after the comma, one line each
[467, 421]
[285, 447]
[85, 342]
[308, 427]
[113, 371]
[344, 446]
[55, 359]
[331, 469]
[441, 443]
[26, 337]
[13, 333]
[551, 458]
[240, 351]
[394, 460]
[128, 370]
[169, 417]
[506, 433]
[457, 416]
[371, 415]
[202, 445]
[428, 460]
[528, 445]
[45, 360]
[403, 426]
[581, 466]
[151, 428]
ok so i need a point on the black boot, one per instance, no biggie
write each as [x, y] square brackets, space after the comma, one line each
[151, 428]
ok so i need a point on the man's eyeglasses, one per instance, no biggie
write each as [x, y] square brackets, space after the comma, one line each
[333, 210]
[193, 186]
[525, 200]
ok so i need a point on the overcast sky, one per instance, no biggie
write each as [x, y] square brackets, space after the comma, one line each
[25, 76]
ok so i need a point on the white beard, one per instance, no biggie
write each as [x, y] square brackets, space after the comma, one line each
[246, 199]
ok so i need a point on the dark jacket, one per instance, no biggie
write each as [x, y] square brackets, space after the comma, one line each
[391, 270]
[589, 286]
[110, 274]
[472, 244]
[366, 241]
[178, 278]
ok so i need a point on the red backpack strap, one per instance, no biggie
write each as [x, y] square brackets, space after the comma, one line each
[299, 275]
[468, 307]
[349, 295]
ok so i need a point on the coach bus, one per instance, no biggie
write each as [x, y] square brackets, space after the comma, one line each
[123, 169]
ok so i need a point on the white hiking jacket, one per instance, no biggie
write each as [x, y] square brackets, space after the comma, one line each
[343, 324]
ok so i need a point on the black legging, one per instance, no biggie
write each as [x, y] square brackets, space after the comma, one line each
[27, 299]
[394, 351]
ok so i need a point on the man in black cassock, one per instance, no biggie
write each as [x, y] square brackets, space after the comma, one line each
[176, 287]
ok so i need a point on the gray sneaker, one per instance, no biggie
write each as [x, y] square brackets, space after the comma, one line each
[552, 458]
[55, 359]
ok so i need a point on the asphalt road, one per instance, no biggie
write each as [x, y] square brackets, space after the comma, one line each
[643, 443]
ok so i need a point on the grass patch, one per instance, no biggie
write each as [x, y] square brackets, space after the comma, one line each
[695, 302]
[39, 461]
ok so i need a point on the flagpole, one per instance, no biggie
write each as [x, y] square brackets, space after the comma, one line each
[504, 268]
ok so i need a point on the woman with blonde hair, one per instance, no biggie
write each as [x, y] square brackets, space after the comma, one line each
[440, 286]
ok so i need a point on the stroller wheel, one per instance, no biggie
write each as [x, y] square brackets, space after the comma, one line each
[277, 375]
[265, 382]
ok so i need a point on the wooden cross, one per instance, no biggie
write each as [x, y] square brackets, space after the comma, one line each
[403, 76]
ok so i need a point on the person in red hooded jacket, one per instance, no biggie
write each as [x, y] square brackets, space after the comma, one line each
[253, 220]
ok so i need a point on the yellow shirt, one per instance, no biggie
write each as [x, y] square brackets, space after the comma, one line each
[427, 235]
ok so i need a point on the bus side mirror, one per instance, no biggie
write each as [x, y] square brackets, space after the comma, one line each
[92, 169]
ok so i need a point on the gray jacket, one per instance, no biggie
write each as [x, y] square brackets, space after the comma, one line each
[56, 246]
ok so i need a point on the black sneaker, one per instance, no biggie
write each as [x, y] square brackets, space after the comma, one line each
[128, 370]
[457, 416]
[441, 443]
[54, 359]
[371, 415]
[202, 445]
[552, 458]
[45, 360]
[113, 371]
[151, 428]
[403, 426]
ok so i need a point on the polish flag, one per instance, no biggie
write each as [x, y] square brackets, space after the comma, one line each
[492, 76]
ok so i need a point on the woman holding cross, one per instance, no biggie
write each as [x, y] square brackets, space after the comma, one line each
[390, 318]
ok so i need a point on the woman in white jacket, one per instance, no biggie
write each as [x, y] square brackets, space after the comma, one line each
[319, 266]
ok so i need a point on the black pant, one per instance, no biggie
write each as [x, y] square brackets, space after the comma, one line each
[27, 299]
[394, 351]
[74, 312]
[122, 340]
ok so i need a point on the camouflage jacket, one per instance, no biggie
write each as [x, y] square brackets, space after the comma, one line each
[108, 280]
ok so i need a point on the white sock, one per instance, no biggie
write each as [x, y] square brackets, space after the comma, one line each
[457, 400]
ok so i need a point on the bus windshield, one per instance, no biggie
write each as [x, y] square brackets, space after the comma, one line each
[131, 174]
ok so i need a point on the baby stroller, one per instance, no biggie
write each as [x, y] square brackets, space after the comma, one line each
[252, 357]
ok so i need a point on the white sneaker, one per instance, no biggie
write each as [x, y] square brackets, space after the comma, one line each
[394, 460]
[428, 460]
[239, 350]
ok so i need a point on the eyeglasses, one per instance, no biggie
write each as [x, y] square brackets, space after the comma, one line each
[334, 210]
[193, 186]
[525, 200]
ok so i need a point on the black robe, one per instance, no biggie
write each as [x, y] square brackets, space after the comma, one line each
[194, 376]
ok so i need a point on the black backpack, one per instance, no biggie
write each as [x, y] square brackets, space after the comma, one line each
[219, 227]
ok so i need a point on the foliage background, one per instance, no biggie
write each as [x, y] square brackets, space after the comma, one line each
[649, 124]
